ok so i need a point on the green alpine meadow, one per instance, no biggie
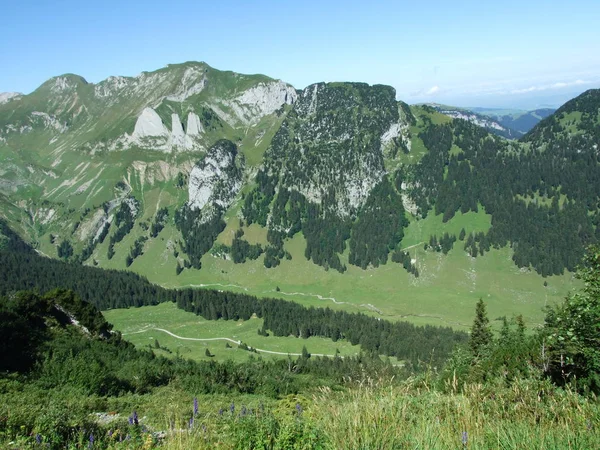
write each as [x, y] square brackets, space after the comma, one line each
[193, 258]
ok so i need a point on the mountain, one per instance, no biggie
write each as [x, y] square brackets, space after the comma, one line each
[508, 123]
[491, 124]
[520, 121]
[335, 193]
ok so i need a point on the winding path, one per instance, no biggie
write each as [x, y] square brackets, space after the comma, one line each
[227, 339]
[318, 296]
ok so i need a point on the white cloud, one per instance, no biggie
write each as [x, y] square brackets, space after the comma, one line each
[545, 87]
[427, 93]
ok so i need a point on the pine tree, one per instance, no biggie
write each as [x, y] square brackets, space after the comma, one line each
[305, 354]
[481, 334]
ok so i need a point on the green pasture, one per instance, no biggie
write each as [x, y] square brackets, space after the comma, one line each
[138, 326]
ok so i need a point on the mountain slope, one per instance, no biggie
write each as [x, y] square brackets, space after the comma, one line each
[489, 123]
[189, 175]
[520, 121]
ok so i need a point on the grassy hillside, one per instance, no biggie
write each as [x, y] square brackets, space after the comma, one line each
[444, 294]
[139, 326]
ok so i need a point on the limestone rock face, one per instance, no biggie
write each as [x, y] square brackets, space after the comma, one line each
[149, 124]
[178, 137]
[216, 180]
[151, 133]
[249, 107]
[6, 97]
[266, 98]
[194, 127]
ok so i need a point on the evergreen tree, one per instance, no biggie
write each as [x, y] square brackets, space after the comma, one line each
[572, 330]
[65, 250]
[305, 354]
[481, 334]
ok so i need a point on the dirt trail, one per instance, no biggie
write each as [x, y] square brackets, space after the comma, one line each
[260, 350]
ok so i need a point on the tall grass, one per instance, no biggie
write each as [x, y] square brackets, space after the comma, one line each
[529, 414]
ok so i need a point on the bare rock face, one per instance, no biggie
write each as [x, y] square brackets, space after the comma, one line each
[150, 132]
[149, 124]
[178, 137]
[266, 98]
[216, 180]
[6, 97]
[249, 107]
[194, 126]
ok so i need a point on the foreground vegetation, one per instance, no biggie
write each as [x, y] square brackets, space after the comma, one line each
[367, 415]
[67, 380]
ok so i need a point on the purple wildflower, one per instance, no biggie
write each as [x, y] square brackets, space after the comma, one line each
[191, 422]
[220, 411]
[91, 443]
[110, 433]
[195, 406]
[133, 419]
[38, 438]
[232, 408]
[464, 438]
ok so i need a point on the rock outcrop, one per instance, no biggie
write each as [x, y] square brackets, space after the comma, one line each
[216, 180]
[333, 143]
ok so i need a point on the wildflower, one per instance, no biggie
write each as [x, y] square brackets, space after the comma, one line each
[38, 438]
[220, 411]
[195, 406]
[91, 443]
[133, 419]
[191, 422]
[299, 409]
[464, 439]
[232, 408]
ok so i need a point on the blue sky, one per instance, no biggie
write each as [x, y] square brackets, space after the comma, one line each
[521, 54]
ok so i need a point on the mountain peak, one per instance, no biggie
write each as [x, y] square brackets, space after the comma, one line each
[63, 83]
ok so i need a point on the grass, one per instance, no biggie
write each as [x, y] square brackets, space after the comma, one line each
[444, 294]
[367, 414]
[136, 325]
